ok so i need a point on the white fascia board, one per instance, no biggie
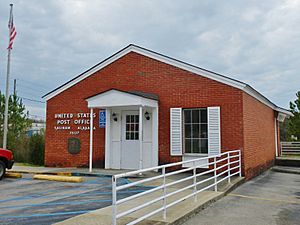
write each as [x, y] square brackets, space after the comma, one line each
[152, 55]
[188, 67]
[87, 74]
[284, 111]
[249, 90]
[115, 98]
[210, 75]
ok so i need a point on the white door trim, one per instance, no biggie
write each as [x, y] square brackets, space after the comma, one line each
[154, 113]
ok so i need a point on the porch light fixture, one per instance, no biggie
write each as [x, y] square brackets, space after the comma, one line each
[114, 117]
[147, 115]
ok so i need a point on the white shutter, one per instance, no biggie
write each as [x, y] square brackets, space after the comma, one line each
[214, 132]
[176, 131]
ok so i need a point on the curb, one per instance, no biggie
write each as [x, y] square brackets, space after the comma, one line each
[282, 170]
[76, 174]
[58, 178]
[45, 173]
[13, 175]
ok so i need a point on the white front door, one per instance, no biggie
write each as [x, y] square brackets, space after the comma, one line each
[130, 140]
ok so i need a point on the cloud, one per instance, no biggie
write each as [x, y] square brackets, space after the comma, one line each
[253, 41]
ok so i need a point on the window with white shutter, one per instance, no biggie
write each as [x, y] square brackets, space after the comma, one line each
[214, 132]
[195, 131]
[176, 131]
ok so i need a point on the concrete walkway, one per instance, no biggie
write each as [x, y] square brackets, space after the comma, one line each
[175, 215]
[272, 198]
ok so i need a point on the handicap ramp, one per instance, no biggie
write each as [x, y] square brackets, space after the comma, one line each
[175, 214]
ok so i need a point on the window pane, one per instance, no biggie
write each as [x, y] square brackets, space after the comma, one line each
[196, 147]
[127, 136]
[203, 131]
[195, 116]
[136, 136]
[203, 116]
[187, 145]
[195, 131]
[187, 130]
[204, 145]
[131, 127]
[136, 127]
[131, 119]
[127, 118]
[132, 136]
[187, 116]
[137, 118]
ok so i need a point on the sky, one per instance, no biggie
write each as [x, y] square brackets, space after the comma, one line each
[257, 42]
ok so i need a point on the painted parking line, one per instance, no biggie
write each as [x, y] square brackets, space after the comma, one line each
[47, 214]
[59, 201]
[94, 193]
[265, 199]
[77, 188]
[54, 203]
[41, 195]
[73, 195]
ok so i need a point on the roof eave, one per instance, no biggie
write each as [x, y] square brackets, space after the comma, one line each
[171, 61]
[254, 93]
[160, 57]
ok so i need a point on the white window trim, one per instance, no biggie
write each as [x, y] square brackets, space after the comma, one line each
[183, 135]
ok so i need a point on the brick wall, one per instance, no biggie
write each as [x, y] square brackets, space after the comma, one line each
[175, 88]
[259, 136]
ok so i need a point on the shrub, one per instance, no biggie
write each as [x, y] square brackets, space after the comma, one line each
[37, 149]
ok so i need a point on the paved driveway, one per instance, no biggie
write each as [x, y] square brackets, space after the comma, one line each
[28, 201]
[272, 198]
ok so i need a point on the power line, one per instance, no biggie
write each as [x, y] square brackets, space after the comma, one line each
[31, 93]
[33, 87]
[33, 100]
[33, 83]
[37, 116]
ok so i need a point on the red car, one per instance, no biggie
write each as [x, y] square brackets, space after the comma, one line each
[6, 161]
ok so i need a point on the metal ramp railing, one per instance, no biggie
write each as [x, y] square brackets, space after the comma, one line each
[290, 148]
[222, 167]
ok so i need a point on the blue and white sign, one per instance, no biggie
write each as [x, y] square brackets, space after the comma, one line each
[102, 118]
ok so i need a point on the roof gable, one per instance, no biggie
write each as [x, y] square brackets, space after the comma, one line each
[171, 61]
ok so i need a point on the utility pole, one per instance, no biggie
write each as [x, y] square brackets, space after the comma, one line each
[11, 35]
[15, 86]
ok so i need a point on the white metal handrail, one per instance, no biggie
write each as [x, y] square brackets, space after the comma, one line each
[290, 148]
[228, 163]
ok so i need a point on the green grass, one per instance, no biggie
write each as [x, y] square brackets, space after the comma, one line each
[291, 156]
[25, 164]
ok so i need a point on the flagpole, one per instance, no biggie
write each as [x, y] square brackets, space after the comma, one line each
[5, 128]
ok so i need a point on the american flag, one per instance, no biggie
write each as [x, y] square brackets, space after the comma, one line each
[12, 30]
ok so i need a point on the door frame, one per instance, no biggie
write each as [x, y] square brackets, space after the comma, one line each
[108, 134]
[124, 113]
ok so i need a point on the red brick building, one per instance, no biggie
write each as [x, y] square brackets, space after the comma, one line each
[148, 109]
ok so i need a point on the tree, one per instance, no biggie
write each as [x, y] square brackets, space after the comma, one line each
[293, 123]
[18, 121]
[37, 148]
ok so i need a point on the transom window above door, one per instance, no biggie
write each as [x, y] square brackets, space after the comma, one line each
[132, 127]
[195, 131]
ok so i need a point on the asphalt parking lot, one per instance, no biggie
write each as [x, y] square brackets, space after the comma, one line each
[272, 198]
[28, 201]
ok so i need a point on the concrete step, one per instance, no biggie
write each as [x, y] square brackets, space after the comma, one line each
[282, 161]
